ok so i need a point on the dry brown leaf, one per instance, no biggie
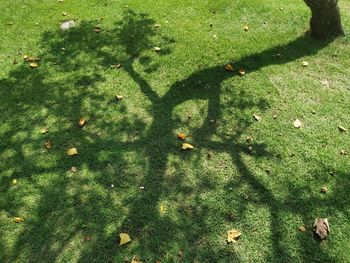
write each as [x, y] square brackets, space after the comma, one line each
[48, 144]
[124, 238]
[233, 235]
[229, 68]
[81, 122]
[297, 124]
[181, 136]
[74, 169]
[31, 59]
[33, 65]
[187, 146]
[72, 151]
[18, 219]
[321, 227]
[342, 129]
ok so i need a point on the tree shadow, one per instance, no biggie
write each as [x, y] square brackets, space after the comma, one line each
[67, 209]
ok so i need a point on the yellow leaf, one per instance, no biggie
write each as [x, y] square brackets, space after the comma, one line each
[135, 259]
[72, 151]
[245, 28]
[119, 97]
[181, 136]
[14, 181]
[157, 49]
[233, 235]
[162, 209]
[33, 65]
[229, 67]
[124, 238]
[305, 63]
[18, 219]
[81, 122]
[187, 146]
[44, 130]
[48, 145]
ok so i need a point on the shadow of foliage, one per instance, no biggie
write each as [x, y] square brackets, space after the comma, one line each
[63, 213]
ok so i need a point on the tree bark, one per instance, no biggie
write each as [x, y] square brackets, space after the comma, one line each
[325, 20]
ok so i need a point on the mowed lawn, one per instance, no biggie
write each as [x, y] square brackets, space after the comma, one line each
[262, 178]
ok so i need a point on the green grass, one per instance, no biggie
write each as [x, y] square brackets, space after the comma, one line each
[266, 193]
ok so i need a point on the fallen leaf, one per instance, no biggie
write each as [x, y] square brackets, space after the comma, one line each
[250, 148]
[246, 28]
[305, 63]
[326, 82]
[72, 151]
[48, 144]
[74, 169]
[157, 49]
[119, 97]
[97, 29]
[162, 209]
[241, 72]
[233, 235]
[64, 13]
[32, 59]
[44, 130]
[14, 181]
[343, 152]
[157, 25]
[187, 146]
[18, 219]
[229, 68]
[342, 129]
[321, 227]
[124, 238]
[257, 117]
[116, 65]
[209, 154]
[81, 122]
[181, 136]
[313, 111]
[297, 123]
[324, 190]
[33, 65]
[87, 238]
[135, 259]
[302, 228]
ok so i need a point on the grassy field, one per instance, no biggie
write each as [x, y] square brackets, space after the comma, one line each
[262, 178]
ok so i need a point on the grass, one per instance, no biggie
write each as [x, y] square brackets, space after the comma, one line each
[190, 199]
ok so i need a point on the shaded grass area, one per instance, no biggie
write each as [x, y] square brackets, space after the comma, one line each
[266, 193]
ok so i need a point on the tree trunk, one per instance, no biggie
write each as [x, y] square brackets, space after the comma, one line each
[325, 19]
